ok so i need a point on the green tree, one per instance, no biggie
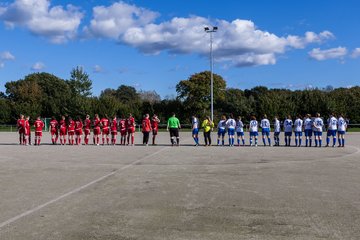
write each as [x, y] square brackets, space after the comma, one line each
[80, 82]
[195, 92]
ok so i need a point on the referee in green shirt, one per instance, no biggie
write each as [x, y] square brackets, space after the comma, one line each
[173, 125]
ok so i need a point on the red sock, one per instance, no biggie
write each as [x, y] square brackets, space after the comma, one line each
[38, 142]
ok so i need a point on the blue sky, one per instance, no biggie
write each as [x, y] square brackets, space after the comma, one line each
[152, 45]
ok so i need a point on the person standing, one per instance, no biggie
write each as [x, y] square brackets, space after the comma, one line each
[21, 129]
[87, 126]
[39, 125]
[240, 131]
[78, 130]
[155, 127]
[318, 128]
[104, 123]
[253, 131]
[277, 130]
[221, 127]
[122, 127]
[288, 128]
[63, 130]
[298, 126]
[71, 131]
[173, 126]
[342, 125]
[130, 126]
[114, 129]
[195, 129]
[230, 125]
[308, 129]
[96, 129]
[208, 126]
[146, 129]
[27, 131]
[331, 130]
[54, 126]
[265, 130]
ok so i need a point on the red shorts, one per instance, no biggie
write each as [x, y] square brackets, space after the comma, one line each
[113, 132]
[71, 133]
[105, 131]
[79, 132]
[87, 131]
[21, 131]
[123, 132]
[155, 131]
[62, 131]
[38, 134]
[54, 132]
[96, 131]
[131, 130]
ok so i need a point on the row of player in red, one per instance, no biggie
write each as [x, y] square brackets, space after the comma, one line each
[74, 129]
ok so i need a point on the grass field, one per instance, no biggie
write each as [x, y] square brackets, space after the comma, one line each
[163, 192]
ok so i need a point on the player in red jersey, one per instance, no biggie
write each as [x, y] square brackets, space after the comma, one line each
[63, 130]
[71, 131]
[96, 127]
[130, 126]
[105, 129]
[146, 129]
[38, 130]
[27, 131]
[114, 126]
[21, 129]
[155, 127]
[54, 125]
[78, 130]
[87, 126]
[122, 127]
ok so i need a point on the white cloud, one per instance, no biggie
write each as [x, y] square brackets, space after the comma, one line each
[7, 56]
[356, 53]
[332, 53]
[2, 65]
[97, 69]
[57, 23]
[38, 66]
[112, 21]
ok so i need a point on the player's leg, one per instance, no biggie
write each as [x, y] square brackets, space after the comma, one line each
[256, 138]
[263, 137]
[328, 134]
[268, 138]
[334, 138]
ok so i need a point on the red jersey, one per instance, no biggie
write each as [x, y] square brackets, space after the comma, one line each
[21, 125]
[122, 124]
[146, 126]
[38, 125]
[96, 123]
[27, 128]
[78, 125]
[87, 123]
[155, 123]
[71, 126]
[130, 123]
[105, 123]
[114, 125]
[53, 125]
[63, 125]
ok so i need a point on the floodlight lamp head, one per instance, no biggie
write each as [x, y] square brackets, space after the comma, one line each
[206, 28]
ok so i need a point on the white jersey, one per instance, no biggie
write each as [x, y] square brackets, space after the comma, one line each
[239, 126]
[342, 124]
[308, 124]
[222, 124]
[298, 125]
[265, 124]
[288, 123]
[230, 123]
[332, 123]
[195, 123]
[253, 126]
[277, 126]
[318, 124]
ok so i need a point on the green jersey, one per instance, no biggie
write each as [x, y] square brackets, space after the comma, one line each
[173, 122]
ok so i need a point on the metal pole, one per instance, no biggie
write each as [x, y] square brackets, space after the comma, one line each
[211, 78]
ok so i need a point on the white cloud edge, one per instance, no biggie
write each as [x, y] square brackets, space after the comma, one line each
[38, 66]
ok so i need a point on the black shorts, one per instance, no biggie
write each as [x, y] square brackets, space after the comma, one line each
[174, 132]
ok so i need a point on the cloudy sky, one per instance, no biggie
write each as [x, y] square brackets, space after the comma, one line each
[152, 45]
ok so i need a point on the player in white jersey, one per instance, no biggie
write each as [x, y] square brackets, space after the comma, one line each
[240, 131]
[288, 128]
[318, 128]
[230, 125]
[221, 130]
[253, 131]
[332, 123]
[277, 130]
[298, 126]
[342, 126]
[265, 130]
[308, 126]
[195, 129]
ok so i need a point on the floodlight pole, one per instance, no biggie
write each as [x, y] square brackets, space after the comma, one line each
[211, 31]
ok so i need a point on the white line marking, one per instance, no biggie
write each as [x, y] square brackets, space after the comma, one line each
[31, 211]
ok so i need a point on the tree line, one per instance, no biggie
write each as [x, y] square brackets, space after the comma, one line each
[47, 95]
